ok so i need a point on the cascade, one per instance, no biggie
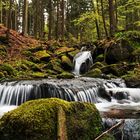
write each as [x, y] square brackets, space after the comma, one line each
[106, 94]
[82, 62]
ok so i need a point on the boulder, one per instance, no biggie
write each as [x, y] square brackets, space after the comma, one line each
[43, 55]
[65, 75]
[66, 63]
[119, 51]
[37, 120]
[96, 73]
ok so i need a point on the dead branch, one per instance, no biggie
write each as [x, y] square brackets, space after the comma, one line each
[112, 128]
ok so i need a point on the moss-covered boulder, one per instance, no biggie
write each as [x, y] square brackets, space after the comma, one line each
[37, 120]
[97, 65]
[66, 63]
[43, 55]
[115, 69]
[7, 69]
[62, 50]
[39, 75]
[96, 73]
[65, 75]
[99, 58]
[132, 78]
[136, 55]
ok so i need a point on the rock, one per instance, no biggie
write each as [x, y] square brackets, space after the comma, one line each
[43, 55]
[65, 75]
[96, 73]
[62, 50]
[37, 120]
[97, 65]
[119, 51]
[136, 55]
[39, 75]
[99, 58]
[66, 63]
[8, 69]
[132, 79]
[115, 69]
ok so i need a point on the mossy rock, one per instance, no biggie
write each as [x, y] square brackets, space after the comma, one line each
[116, 69]
[37, 120]
[39, 75]
[1, 75]
[73, 53]
[35, 49]
[65, 75]
[136, 55]
[98, 65]
[99, 58]
[66, 63]
[32, 66]
[43, 55]
[55, 64]
[8, 68]
[96, 73]
[132, 78]
[63, 50]
[26, 53]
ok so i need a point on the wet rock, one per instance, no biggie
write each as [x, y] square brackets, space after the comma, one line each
[65, 75]
[66, 63]
[96, 73]
[119, 51]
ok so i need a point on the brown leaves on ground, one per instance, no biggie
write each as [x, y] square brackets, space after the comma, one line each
[16, 42]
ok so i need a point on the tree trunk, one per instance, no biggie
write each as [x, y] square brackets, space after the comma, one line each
[25, 17]
[9, 19]
[112, 18]
[62, 19]
[103, 17]
[50, 20]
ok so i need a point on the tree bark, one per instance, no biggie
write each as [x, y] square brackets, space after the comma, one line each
[103, 17]
[50, 20]
[25, 17]
[112, 17]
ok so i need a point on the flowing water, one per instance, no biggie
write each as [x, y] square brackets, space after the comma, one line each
[112, 98]
[82, 62]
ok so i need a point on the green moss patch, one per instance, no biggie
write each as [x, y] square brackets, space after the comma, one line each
[37, 120]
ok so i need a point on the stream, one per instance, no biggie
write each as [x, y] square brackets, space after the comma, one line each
[112, 98]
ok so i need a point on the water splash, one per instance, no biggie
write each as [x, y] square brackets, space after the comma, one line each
[82, 62]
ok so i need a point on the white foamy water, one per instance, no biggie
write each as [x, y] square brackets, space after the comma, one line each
[6, 108]
[80, 58]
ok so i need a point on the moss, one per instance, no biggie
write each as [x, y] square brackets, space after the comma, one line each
[97, 65]
[73, 53]
[115, 69]
[39, 75]
[42, 55]
[96, 73]
[65, 75]
[32, 66]
[63, 50]
[37, 120]
[8, 68]
[132, 78]
[66, 63]
[35, 49]
[1, 75]
[99, 58]
[26, 53]
[55, 64]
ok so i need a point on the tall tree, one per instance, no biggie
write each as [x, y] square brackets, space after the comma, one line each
[25, 17]
[112, 17]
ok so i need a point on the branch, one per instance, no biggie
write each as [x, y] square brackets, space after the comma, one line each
[113, 127]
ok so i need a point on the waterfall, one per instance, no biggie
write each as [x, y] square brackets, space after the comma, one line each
[107, 95]
[83, 61]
